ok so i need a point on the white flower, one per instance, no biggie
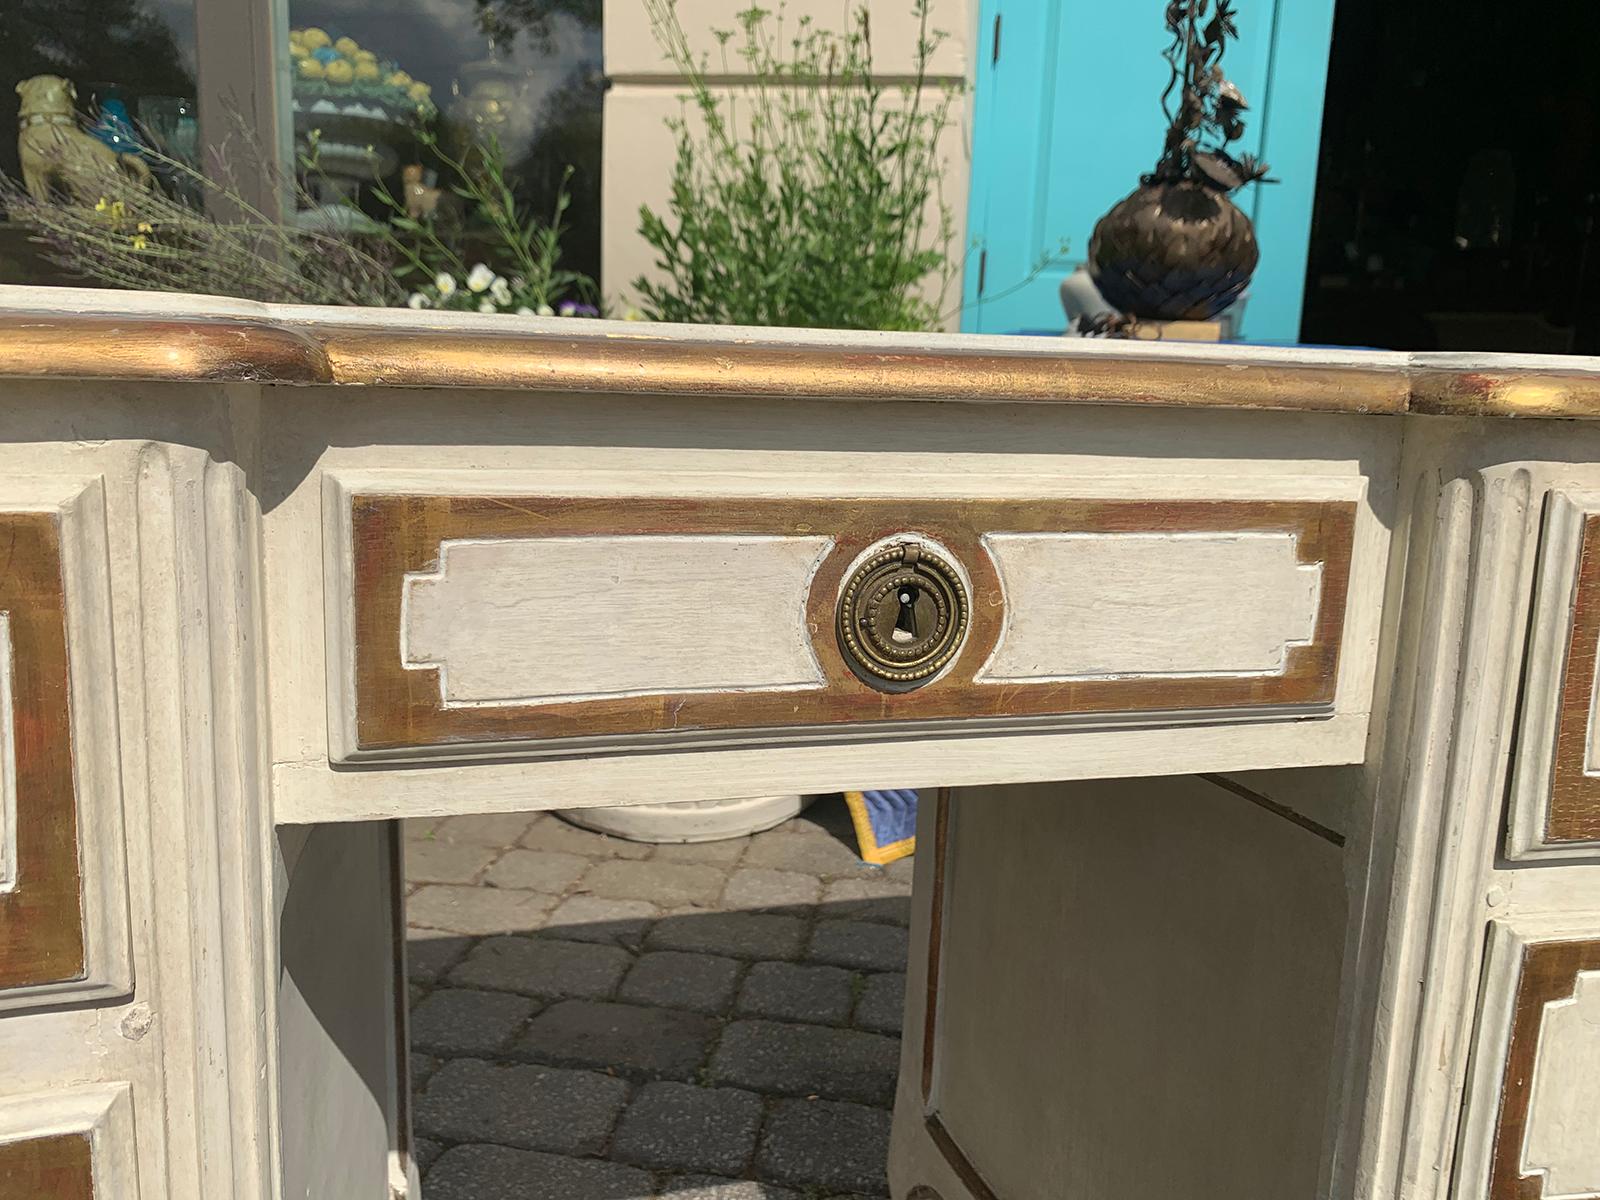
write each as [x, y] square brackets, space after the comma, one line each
[501, 291]
[487, 305]
[445, 284]
[524, 311]
[480, 278]
[416, 300]
[546, 311]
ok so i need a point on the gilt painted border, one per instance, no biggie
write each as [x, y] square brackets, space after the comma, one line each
[393, 709]
[64, 930]
[1555, 794]
[1529, 965]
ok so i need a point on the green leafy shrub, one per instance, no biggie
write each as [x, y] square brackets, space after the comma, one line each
[813, 197]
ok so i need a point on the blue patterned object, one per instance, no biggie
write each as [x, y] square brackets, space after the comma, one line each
[886, 824]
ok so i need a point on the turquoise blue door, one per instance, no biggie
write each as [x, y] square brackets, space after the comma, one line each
[1067, 116]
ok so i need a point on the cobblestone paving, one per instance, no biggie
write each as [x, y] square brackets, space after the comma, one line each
[598, 1020]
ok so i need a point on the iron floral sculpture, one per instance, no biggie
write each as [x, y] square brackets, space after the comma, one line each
[1178, 248]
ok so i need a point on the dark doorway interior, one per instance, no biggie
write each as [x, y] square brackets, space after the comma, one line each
[1459, 179]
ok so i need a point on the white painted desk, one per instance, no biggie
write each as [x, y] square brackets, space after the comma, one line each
[1253, 691]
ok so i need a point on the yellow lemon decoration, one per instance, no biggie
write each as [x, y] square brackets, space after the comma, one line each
[315, 39]
[295, 36]
[339, 71]
[309, 68]
[347, 46]
[296, 50]
[367, 72]
[400, 79]
[419, 92]
[364, 56]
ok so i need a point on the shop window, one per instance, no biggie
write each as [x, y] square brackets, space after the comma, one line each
[390, 92]
[131, 65]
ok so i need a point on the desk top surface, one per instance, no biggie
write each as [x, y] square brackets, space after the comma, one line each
[70, 333]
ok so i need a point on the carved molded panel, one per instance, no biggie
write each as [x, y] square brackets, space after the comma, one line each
[1532, 1124]
[75, 1144]
[1145, 605]
[1555, 802]
[485, 620]
[63, 915]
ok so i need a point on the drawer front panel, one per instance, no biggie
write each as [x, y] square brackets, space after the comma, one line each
[482, 620]
[1534, 1103]
[41, 905]
[75, 1144]
[1555, 804]
[63, 891]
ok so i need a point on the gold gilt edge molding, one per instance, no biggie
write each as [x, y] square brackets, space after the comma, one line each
[148, 347]
[166, 350]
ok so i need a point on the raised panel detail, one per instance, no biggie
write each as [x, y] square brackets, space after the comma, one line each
[1555, 800]
[536, 620]
[1109, 605]
[1532, 1124]
[41, 914]
[75, 1144]
[481, 621]
[1563, 1139]
[63, 914]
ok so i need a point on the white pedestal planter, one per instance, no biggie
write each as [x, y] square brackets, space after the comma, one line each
[693, 821]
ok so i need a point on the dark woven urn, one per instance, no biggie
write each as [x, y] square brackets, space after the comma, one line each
[1173, 252]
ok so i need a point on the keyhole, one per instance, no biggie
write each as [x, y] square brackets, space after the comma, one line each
[905, 624]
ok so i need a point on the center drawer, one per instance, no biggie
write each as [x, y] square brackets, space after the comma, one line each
[477, 622]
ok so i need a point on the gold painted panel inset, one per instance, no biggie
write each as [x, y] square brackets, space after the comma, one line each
[41, 916]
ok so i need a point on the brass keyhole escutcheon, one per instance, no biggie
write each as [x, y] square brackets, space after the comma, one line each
[902, 617]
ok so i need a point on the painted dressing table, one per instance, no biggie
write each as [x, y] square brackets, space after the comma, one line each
[1253, 692]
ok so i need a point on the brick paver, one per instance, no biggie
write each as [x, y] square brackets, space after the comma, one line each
[543, 967]
[457, 1021]
[860, 944]
[476, 910]
[671, 978]
[735, 934]
[533, 1108]
[596, 919]
[490, 829]
[631, 1039]
[807, 1060]
[828, 1144]
[596, 1019]
[536, 870]
[479, 1172]
[797, 992]
[430, 861]
[765, 887]
[665, 883]
[678, 1125]
[882, 1002]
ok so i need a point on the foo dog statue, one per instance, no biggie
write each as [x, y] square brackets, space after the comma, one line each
[54, 149]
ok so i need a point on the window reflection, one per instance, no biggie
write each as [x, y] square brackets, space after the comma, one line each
[132, 65]
[369, 79]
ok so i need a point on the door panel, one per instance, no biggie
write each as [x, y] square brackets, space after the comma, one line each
[1133, 993]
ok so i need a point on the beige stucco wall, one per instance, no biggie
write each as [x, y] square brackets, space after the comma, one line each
[645, 91]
